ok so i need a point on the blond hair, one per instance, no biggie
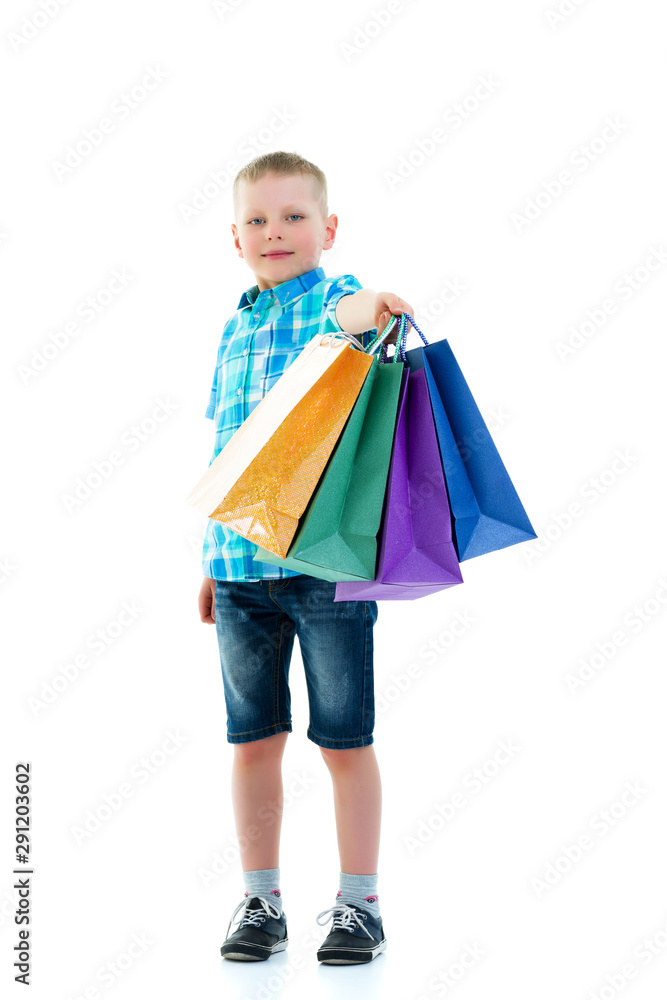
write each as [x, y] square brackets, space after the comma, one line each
[283, 164]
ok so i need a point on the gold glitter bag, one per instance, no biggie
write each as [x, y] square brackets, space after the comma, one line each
[262, 480]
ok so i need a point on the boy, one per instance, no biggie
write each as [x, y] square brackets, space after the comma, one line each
[282, 227]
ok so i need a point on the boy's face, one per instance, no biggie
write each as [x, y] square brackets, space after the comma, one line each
[281, 215]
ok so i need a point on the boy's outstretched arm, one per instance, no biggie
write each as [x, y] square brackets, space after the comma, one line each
[367, 310]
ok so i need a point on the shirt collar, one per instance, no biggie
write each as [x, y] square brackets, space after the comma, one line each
[287, 291]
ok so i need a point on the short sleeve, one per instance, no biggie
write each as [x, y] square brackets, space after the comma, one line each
[346, 284]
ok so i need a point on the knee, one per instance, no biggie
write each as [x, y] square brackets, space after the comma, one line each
[261, 751]
[341, 757]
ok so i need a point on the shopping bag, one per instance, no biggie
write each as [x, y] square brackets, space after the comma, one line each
[416, 553]
[260, 483]
[337, 537]
[488, 514]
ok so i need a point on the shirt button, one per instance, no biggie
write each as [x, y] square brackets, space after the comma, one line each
[245, 352]
[256, 315]
[239, 391]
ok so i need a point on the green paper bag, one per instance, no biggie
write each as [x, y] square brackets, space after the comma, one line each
[337, 536]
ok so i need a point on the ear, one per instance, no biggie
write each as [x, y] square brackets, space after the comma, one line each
[331, 226]
[235, 234]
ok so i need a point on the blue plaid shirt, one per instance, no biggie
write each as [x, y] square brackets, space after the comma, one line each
[259, 341]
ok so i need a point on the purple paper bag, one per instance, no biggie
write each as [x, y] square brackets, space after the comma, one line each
[416, 555]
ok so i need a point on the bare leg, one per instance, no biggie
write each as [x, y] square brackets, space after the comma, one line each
[257, 782]
[358, 805]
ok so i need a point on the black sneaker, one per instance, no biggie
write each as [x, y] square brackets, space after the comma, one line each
[355, 936]
[262, 931]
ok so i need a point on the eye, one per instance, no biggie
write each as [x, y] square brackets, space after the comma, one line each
[295, 215]
[250, 221]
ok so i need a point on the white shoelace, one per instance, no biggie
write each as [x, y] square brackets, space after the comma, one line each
[343, 917]
[254, 917]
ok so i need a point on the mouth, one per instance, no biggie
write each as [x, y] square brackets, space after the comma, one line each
[277, 254]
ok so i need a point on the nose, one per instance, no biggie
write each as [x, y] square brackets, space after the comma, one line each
[273, 231]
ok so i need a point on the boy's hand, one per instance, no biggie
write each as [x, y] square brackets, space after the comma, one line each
[207, 599]
[387, 305]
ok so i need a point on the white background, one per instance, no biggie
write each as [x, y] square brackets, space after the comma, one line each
[362, 100]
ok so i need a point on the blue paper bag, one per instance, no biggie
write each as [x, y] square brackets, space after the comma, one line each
[486, 511]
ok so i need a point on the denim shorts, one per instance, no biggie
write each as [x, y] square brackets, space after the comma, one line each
[256, 622]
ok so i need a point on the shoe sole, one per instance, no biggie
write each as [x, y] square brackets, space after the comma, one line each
[255, 953]
[348, 956]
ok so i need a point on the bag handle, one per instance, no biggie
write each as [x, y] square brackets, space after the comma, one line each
[408, 316]
[379, 337]
[355, 341]
[399, 346]
[342, 334]
[400, 341]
